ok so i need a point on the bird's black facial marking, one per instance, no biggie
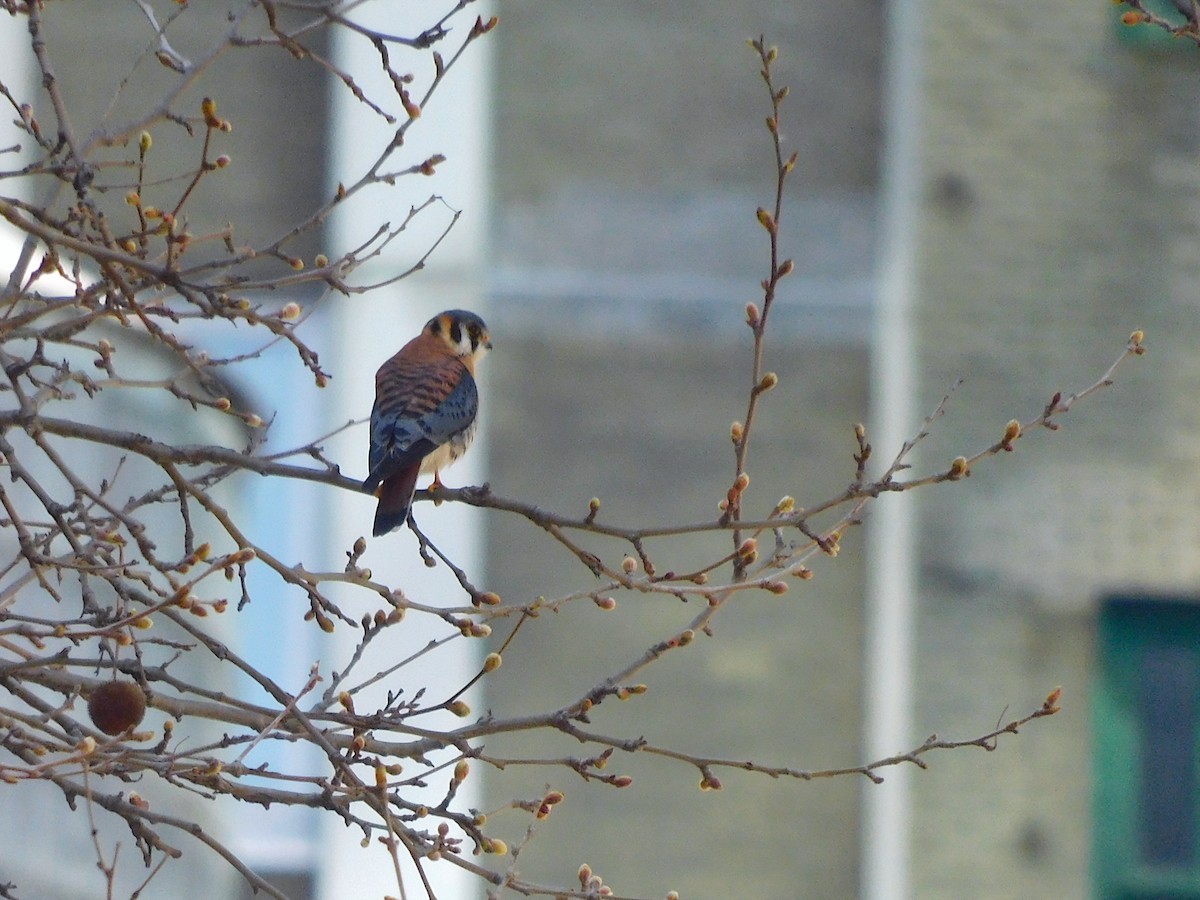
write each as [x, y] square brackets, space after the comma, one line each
[461, 329]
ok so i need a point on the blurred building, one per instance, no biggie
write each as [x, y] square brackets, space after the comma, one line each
[630, 157]
[1055, 186]
[1024, 182]
[985, 191]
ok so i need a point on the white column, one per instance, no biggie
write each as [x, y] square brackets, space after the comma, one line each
[371, 328]
[17, 72]
[891, 596]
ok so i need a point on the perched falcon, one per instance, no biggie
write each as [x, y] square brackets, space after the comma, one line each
[424, 413]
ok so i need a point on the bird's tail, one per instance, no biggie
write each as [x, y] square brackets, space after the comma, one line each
[395, 494]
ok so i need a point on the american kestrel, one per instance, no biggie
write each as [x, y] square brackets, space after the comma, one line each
[424, 413]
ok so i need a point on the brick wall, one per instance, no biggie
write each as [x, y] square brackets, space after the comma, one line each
[1060, 179]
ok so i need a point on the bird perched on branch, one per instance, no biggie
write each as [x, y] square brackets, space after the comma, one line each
[424, 413]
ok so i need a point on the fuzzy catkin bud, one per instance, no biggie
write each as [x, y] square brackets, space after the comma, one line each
[208, 109]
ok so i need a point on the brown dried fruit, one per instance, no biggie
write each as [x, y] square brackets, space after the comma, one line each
[117, 706]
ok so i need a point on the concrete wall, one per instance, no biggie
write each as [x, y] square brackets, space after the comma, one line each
[643, 424]
[630, 156]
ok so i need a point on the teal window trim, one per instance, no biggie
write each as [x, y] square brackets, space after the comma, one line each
[1146, 735]
[1151, 37]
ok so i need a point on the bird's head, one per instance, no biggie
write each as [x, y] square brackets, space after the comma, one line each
[464, 333]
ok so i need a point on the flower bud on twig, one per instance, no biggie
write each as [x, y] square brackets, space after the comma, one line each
[959, 468]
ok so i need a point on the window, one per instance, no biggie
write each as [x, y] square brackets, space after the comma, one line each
[1151, 37]
[1146, 820]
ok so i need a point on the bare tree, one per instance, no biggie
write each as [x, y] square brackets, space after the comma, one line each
[109, 529]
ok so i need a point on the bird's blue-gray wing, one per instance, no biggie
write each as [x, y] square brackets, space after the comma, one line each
[417, 409]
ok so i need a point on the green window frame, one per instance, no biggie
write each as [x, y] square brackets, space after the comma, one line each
[1151, 37]
[1146, 739]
